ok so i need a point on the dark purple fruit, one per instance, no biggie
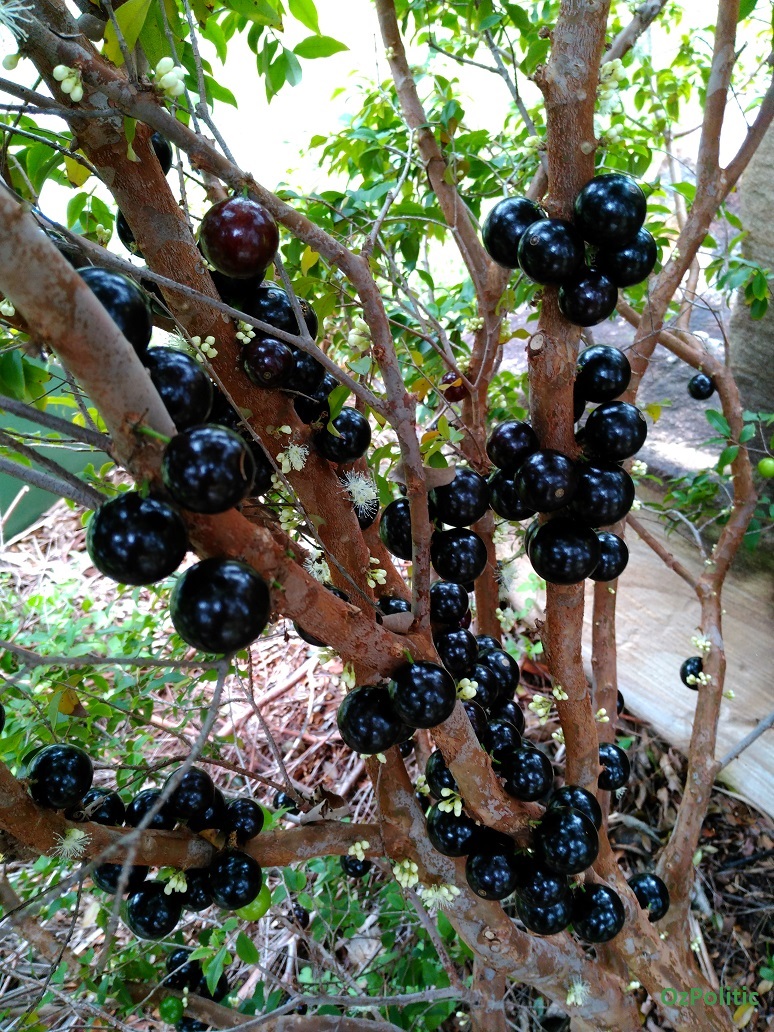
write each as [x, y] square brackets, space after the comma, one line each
[220, 605]
[125, 234]
[452, 387]
[368, 722]
[598, 914]
[587, 299]
[504, 498]
[504, 227]
[213, 817]
[99, 805]
[244, 820]
[135, 540]
[235, 879]
[503, 739]
[272, 305]
[208, 468]
[529, 774]
[510, 443]
[310, 639]
[164, 820]
[107, 877]
[511, 711]
[449, 603]
[551, 251]
[198, 893]
[620, 702]
[690, 670]
[395, 528]
[313, 407]
[300, 915]
[566, 841]
[306, 375]
[352, 442]
[538, 886]
[487, 691]
[267, 361]
[631, 263]
[151, 913]
[616, 767]
[614, 431]
[604, 495]
[163, 151]
[353, 867]
[451, 835]
[185, 388]
[564, 551]
[701, 386]
[126, 304]
[547, 480]
[406, 748]
[284, 801]
[457, 555]
[458, 652]
[59, 776]
[478, 718]
[264, 470]
[579, 799]
[423, 694]
[463, 501]
[652, 894]
[613, 557]
[182, 973]
[239, 237]
[438, 775]
[389, 604]
[506, 671]
[545, 920]
[610, 210]
[486, 641]
[491, 871]
[193, 795]
[602, 373]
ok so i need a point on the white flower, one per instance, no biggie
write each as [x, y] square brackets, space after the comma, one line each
[245, 332]
[601, 716]
[376, 575]
[389, 53]
[406, 873]
[639, 468]
[636, 505]
[701, 679]
[348, 678]
[289, 520]
[164, 65]
[358, 849]
[541, 707]
[363, 491]
[6, 308]
[422, 786]
[175, 883]
[558, 736]
[379, 756]
[169, 77]
[359, 337]
[12, 14]
[467, 688]
[559, 693]
[316, 566]
[438, 897]
[730, 694]
[450, 802]
[578, 992]
[507, 618]
[293, 457]
[701, 643]
[71, 845]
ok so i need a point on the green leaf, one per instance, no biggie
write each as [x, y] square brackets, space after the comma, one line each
[12, 375]
[130, 18]
[718, 422]
[295, 880]
[336, 400]
[306, 13]
[746, 8]
[259, 11]
[246, 949]
[215, 969]
[726, 457]
[318, 46]
[747, 433]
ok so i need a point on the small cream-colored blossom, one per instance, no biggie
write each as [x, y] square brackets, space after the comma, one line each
[729, 694]
[289, 519]
[701, 679]
[558, 736]
[379, 756]
[359, 848]
[639, 468]
[438, 897]
[507, 618]
[559, 693]
[451, 802]
[293, 457]
[348, 677]
[701, 643]
[636, 505]
[631, 986]
[601, 716]
[467, 688]
[316, 565]
[245, 332]
[421, 785]
[578, 992]
[376, 575]
[6, 308]
[541, 707]
[406, 873]
[175, 883]
[71, 845]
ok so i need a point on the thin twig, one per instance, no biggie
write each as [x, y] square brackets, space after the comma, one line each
[82, 495]
[54, 468]
[662, 552]
[51, 422]
[747, 741]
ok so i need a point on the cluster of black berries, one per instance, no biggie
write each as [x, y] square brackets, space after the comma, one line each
[608, 215]
[60, 778]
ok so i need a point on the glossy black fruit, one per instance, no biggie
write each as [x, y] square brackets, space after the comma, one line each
[457, 555]
[598, 914]
[283, 801]
[588, 298]
[487, 690]
[566, 841]
[2, 716]
[182, 973]
[503, 740]
[545, 920]
[125, 234]
[395, 528]
[389, 604]
[235, 879]
[368, 722]
[492, 871]
[564, 551]
[504, 227]
[452, 387]
[701, 386]
[406, 748]
[244, 820]
[268, 362]
[486, 641]
[631, 263]
[353, 867]
[100, 805]
[151, 914]
[299, 915]
[451, 835]
[602, 373]
[458, 652]
[613, 557]
[198, 893]
[438, 775]
[579, 799]
[616, 767]
[191, 1025]
[620, 702]
[448, 604]
[610, 210]
[264, 470]
[107, 877]
[59, 776]
[307, 373]
[547, 480]
[529, 774]
[423, 694]
[690, 670]
[510, 443]
[354, 439]
[506, 671]
[510, 711]
[477, 716]
[310, 639]
[164, 820]
[538, 886]
[652, 894]
[504, 498]
[551, 251]
[213, 817]
[604, 495]
[193, 796]
[223, 413]
[272, 305]
[185, 388]
[313, 407]
[239, 237]
[614, 431]
[208, 468]
[220, 605]
[126, 304]
[135, 540]
[463, 501]
[163, 150]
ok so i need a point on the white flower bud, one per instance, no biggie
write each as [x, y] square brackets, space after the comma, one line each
[61, 72]
[76, 93]
[10, 61]
[166, 64]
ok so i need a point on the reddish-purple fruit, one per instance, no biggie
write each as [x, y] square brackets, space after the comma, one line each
[239, 237]
[268, 362]
[504, 227]
[452, 387]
